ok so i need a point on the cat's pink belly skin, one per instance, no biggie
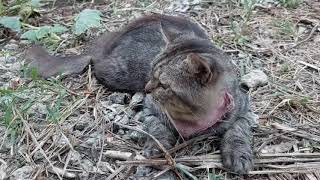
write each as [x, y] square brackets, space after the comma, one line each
[187, 128]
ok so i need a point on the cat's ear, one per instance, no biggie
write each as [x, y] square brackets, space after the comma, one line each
[199, 68]
[169, 31]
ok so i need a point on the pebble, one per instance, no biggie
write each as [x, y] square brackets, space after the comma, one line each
[138, 117]
[10, 59]
[81, 125]
[38, 109]
[38, 156]
[75, 157]
[87, 165]
[136, 102]
[124, 120]
[119, 98]
[22, 173]
[15, 66]
[60, 140]
[93, 140]
[135, 135]
[11, 47]
[254, 79]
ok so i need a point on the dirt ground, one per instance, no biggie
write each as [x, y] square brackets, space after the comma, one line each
[65, 129]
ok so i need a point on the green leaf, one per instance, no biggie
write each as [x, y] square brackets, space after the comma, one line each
[35, 3]
[58, 29]
[11, 23]
[88, 18]
[30, 35]
[42, 32]
[185, 170]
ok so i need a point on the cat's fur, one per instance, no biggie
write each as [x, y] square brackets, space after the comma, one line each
[192, 87]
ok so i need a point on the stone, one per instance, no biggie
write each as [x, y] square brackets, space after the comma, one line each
[119, 98]
[254, 79]
[11, 46]
[75, 157]
[22, 173]
[136, 102]
[10, 59]
[138, 117]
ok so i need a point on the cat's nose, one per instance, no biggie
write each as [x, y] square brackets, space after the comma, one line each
[151, 85]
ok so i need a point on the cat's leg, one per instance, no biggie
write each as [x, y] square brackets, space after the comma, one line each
[156, 125]
[236, 147]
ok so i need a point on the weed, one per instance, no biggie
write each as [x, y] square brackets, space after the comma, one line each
[49, 93]
[291, 3]
[212, 175]
[285, 28]
[248, 6]
[145, 3]
[239, 37]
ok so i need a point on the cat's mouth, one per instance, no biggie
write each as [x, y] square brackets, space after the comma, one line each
[187, 126]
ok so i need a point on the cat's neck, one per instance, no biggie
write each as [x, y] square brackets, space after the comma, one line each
[223, 106]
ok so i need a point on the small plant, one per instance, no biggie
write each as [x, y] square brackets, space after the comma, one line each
[213, 176]
[145, 3]
[12, 23]
[248, 6]
[46, 34]
[86, 19]
[186, 170]
[291, 3]
[22, 8]
[16, 103]
[239, 37]
[285, 28]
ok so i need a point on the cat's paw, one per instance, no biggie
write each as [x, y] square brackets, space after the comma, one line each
[238, 160]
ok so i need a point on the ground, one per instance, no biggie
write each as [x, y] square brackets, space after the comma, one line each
[66, 128]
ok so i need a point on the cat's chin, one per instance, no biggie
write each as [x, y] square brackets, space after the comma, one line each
[187, 128]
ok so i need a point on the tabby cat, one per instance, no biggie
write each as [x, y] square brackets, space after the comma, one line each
[191, 86]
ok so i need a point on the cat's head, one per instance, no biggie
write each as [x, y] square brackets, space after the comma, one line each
[187, 80]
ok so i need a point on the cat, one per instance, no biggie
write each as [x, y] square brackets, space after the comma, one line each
[191, 86]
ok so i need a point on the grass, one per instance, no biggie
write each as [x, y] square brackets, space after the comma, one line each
[248, 6]
[285, 28]
[22, 97]
[291, 3]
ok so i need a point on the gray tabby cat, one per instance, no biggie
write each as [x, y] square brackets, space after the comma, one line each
[192, 87]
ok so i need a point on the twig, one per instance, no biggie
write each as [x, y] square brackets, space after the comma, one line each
[34, 139]
[167, 155]
[303, 41]
[309, 65]
[121, 155]
[121, 168]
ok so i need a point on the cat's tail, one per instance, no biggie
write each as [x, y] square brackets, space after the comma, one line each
[48, 65]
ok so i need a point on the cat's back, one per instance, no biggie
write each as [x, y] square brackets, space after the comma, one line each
[122, 60]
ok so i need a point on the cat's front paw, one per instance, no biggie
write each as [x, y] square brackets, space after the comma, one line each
[238, 160]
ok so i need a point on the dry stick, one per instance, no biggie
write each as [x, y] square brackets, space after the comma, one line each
[34, 139]
[309, 65]
[162, 172]
[184, 144]
[305, 40]
[281, 171]
[167, 155]
[263, 158]
[121, 168]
